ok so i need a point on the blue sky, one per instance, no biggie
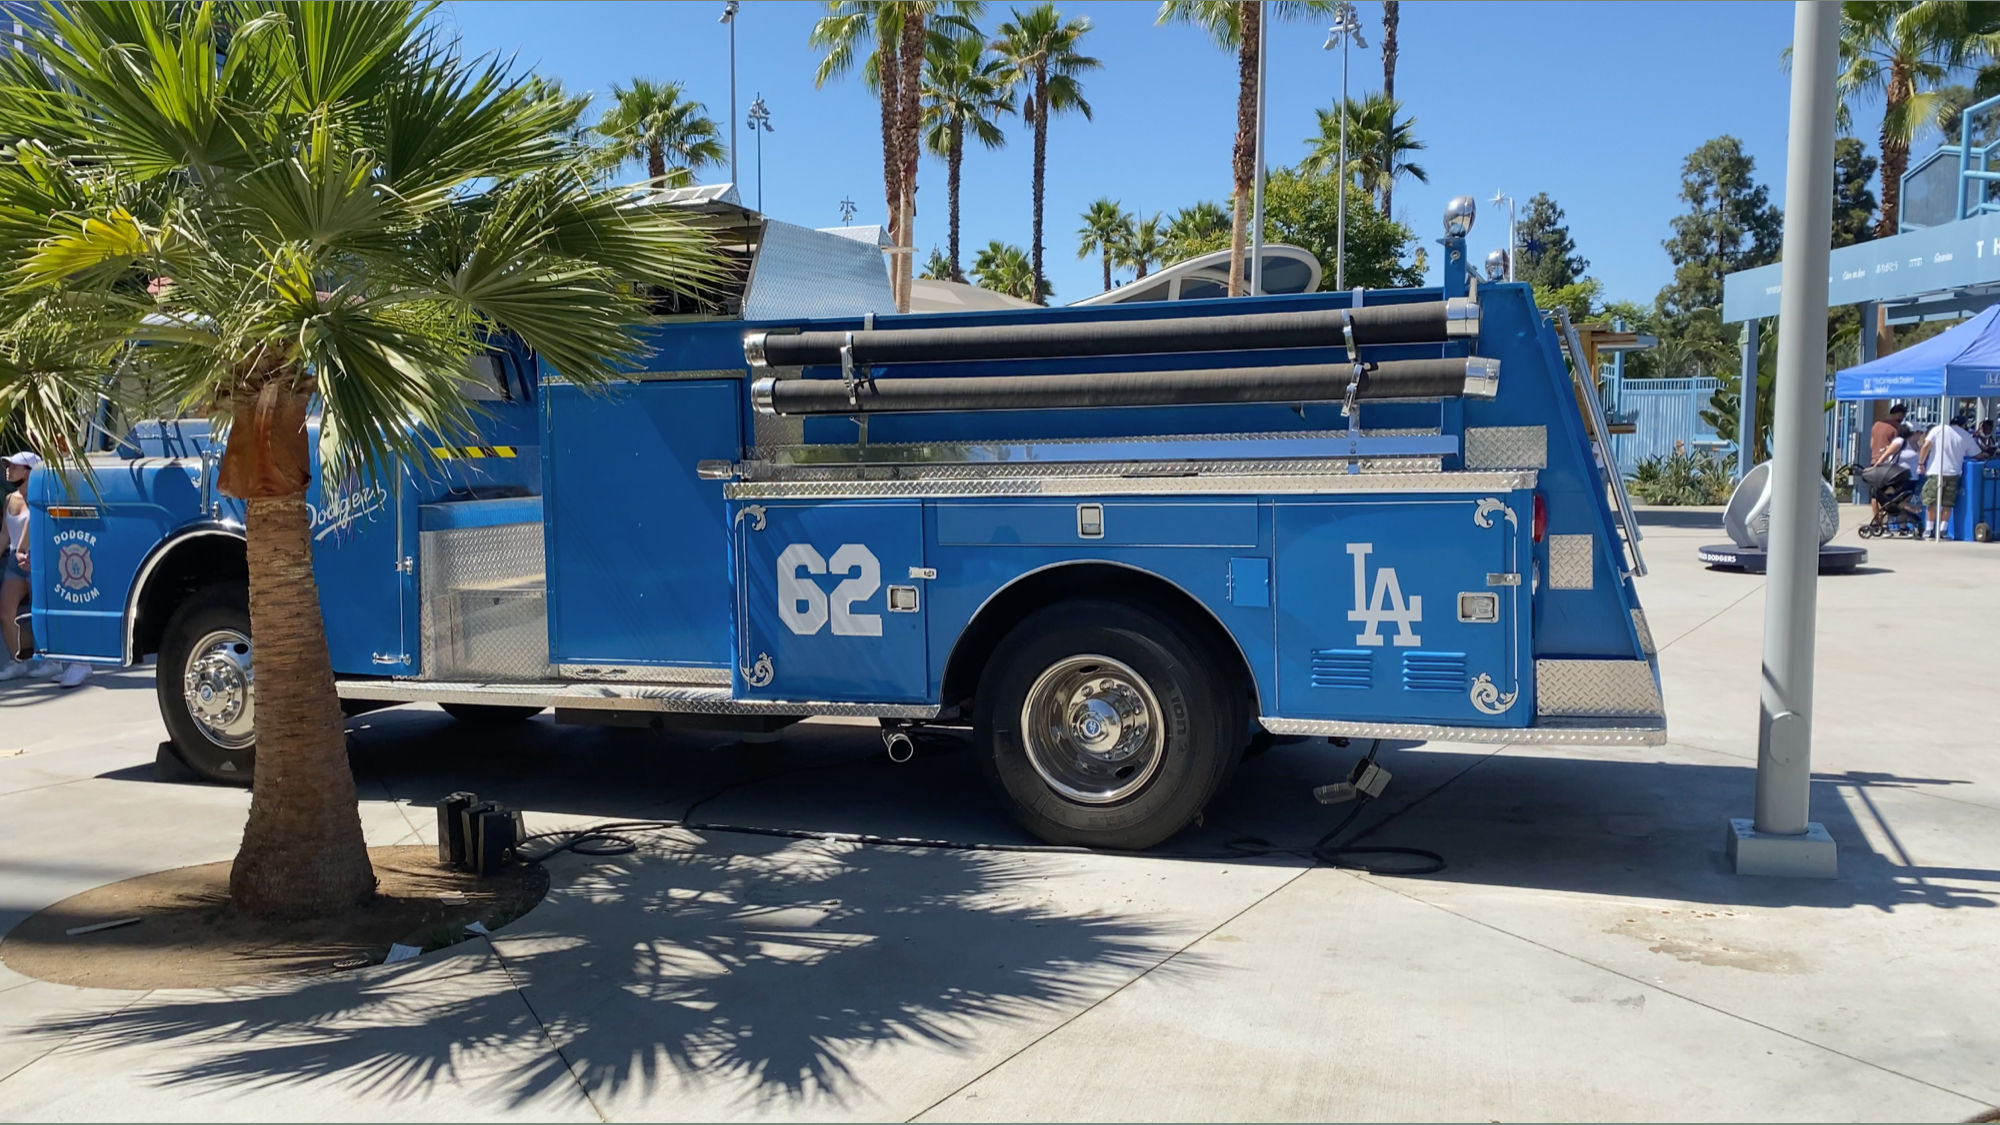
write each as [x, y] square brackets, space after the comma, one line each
[1596, 104]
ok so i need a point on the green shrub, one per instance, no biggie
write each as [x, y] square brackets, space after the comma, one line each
[1683, 477]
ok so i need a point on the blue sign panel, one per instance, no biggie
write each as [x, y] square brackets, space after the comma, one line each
[1919, 261]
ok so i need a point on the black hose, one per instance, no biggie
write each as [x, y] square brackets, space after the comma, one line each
[1427, 322]
[1318, 382]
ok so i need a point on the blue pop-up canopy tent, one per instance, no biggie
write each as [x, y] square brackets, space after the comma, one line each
[1961, 363]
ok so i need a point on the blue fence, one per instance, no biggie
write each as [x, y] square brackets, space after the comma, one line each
[1665, 411]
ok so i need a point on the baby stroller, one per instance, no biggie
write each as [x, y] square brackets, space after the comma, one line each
[1901, 516]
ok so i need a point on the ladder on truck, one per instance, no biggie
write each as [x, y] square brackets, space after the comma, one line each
[1584, 379]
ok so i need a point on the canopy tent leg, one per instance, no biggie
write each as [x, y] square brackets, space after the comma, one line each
[1781, 840]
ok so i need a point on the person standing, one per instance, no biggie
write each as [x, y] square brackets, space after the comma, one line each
[1883, 432]
[14, 584]
[1945, 449]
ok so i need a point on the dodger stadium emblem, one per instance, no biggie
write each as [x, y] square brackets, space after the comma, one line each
[76, 579]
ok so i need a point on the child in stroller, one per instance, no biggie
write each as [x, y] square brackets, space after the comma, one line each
[1897, 512]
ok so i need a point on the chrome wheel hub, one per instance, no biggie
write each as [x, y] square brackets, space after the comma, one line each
[217, 687]
[1092, 728]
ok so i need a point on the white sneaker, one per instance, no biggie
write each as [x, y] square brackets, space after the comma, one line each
[43, 669]
[73, 675]
[14, 670]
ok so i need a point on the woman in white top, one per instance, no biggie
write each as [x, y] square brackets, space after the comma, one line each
[14, 584]
[1904, 451]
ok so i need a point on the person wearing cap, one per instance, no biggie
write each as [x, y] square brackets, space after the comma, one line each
[14, 583]
[1945, 449]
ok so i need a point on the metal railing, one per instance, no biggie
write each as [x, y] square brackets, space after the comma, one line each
[1607, 467]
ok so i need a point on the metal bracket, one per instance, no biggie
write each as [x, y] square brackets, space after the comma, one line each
[1353, 389]
[847, 371]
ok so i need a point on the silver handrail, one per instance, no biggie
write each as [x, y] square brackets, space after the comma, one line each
[1607, 468]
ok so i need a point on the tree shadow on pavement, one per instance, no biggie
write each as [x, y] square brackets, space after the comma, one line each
[719, 972]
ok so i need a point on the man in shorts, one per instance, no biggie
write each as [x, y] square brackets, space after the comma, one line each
[1945, 449]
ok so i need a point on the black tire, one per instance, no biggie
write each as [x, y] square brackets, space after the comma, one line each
[1139, 800]
[487, 714]
[1982, 533]
[1867, 531]
[216, 610]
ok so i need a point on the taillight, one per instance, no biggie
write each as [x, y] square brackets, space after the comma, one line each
[1541, 521]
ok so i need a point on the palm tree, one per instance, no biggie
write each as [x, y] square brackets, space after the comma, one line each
[965, 92]
[1377, 142]
[1234, 25]
[899, 32]
[330, 216]
[1105, 228]
[1902, 53]
[1142, 246]
[1392, 16]
[1202, 228]
[1038, 49]
[1005, 268]
[652, 121]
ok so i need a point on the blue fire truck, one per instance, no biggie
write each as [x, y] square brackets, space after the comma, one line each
[1118, 541]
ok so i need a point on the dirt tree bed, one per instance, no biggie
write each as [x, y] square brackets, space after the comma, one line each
[189, 937]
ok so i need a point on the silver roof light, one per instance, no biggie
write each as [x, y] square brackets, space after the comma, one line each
[1458, 215]
[1496, 265]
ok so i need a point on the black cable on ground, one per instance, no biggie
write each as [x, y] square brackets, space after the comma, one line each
[618, 837]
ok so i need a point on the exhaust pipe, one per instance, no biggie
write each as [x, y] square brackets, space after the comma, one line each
[899, 746]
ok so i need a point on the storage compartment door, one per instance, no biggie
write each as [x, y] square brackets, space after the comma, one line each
[830, 605]
[1406, 610]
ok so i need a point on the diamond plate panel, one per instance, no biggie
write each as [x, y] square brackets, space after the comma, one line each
[801, 273]
[759, 471]
[1570, 562]
[686, 700]
[1645, 632]
[1506, 447]
[484, 607]
[1557, 732]
[1205, 484]
[1597, 688]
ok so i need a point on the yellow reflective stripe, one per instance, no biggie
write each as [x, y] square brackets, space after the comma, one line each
[447, 452]
[443, 451]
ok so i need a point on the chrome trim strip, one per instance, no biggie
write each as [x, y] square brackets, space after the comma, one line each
[1200, 484]
[668, 699]
[643, 673]
[1548, 730]
[152, 562]
[1336, 465]
[1018, 452]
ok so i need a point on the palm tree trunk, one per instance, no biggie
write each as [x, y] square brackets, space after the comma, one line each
[1107, 265]
[909, 130]
[1243, 159]
[891, 71]
[302, 854]
[1139, 270]
[656, 163]
[1041, 166]
[953, 164]
[1895, 149]
[1390, 15]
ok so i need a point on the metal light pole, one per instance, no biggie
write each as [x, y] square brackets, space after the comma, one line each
[1346, 29]
[1500, 197]
[1782, 841]
[729, 17]
[760, 123]
[1257, 182]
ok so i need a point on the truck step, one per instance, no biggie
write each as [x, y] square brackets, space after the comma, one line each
[666, 698]
[1559, 730]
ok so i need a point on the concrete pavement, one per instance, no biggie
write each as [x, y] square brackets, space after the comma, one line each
[1586, 955]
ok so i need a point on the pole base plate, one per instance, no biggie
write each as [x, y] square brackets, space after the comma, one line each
[1834, 558]
[1810, 855]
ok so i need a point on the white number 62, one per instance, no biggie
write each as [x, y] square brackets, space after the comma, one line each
[804, 606]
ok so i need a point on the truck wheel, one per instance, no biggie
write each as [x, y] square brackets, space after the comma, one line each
[487, 714]
[204, 684]
[1104, 724]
